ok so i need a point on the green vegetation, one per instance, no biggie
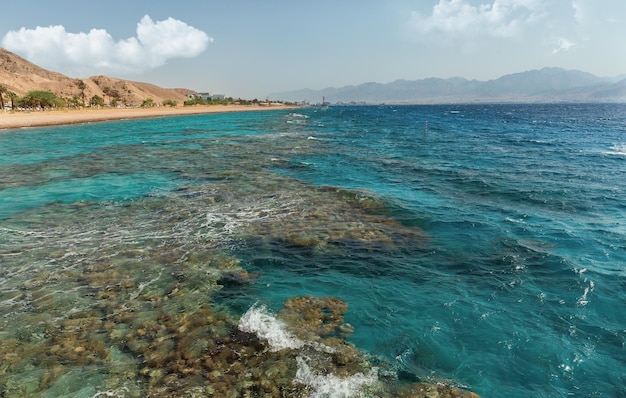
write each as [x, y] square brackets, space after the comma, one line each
[3, 90]
[39, 99]
[96, 101]
[43, 100]
[82, 86]
[197, 100]
[147, 103]
[33, 100]
[13, 98]
[9, 95]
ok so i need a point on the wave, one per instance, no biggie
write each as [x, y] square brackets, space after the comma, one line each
[616, 150]
[331, 386]
[296, 118]
[273, 331]
[258, 320]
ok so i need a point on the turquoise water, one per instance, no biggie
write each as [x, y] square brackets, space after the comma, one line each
[478, 245]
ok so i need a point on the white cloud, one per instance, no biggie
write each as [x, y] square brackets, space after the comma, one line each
[97, 52]
[500, 18]
[581, 11]
[562, 44]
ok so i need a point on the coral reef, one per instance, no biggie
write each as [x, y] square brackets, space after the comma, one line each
[118, 297]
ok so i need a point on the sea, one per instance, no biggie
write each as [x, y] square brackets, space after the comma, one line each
[476, 246]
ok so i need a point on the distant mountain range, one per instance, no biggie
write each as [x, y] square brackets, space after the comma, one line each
[21, 76]
[544, 85]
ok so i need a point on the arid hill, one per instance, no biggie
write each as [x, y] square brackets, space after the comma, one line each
[20, 76]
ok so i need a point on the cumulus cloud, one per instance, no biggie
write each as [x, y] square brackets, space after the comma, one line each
[97, 52]
[500, 18]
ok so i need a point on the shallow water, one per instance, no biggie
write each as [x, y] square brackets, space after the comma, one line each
[482, 247]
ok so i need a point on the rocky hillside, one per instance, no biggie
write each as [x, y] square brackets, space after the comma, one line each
[20, 76]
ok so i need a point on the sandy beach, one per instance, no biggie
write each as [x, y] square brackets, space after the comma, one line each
[14, 120]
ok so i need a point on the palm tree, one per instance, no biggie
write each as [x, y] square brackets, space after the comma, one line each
[82, 86]
[2, 91]
[13, 96]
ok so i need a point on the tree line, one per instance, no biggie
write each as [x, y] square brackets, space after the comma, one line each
[197, 100]
[44, 100]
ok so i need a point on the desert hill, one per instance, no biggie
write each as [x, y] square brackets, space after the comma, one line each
[20, 76]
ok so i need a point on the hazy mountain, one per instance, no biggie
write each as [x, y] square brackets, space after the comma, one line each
[20, 76]
[547, 84]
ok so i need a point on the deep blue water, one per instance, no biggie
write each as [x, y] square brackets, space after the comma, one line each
[518, 287]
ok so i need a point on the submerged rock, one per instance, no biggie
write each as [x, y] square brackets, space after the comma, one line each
[126, 291]
[321, 316]
[307, 331]
[425, 390]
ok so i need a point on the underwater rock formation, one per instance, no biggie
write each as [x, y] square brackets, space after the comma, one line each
[109, 298]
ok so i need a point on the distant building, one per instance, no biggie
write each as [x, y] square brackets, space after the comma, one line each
[208, 96]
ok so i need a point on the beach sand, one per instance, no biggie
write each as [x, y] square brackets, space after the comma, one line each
[14, 120]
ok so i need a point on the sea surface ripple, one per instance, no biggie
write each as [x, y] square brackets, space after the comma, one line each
[482, 246]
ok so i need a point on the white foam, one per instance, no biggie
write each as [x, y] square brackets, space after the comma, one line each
[616, 150]
[331, 386]
[260, 321]
[297, 118]
[264, 324]
[584, 300]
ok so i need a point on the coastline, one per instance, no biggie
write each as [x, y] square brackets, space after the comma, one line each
[22, 119]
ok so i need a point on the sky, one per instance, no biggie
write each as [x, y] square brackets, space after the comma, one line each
[252, 49]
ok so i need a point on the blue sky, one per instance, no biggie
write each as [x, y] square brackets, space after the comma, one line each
[250, 49]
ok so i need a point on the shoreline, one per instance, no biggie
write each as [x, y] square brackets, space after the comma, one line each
[25, 119]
